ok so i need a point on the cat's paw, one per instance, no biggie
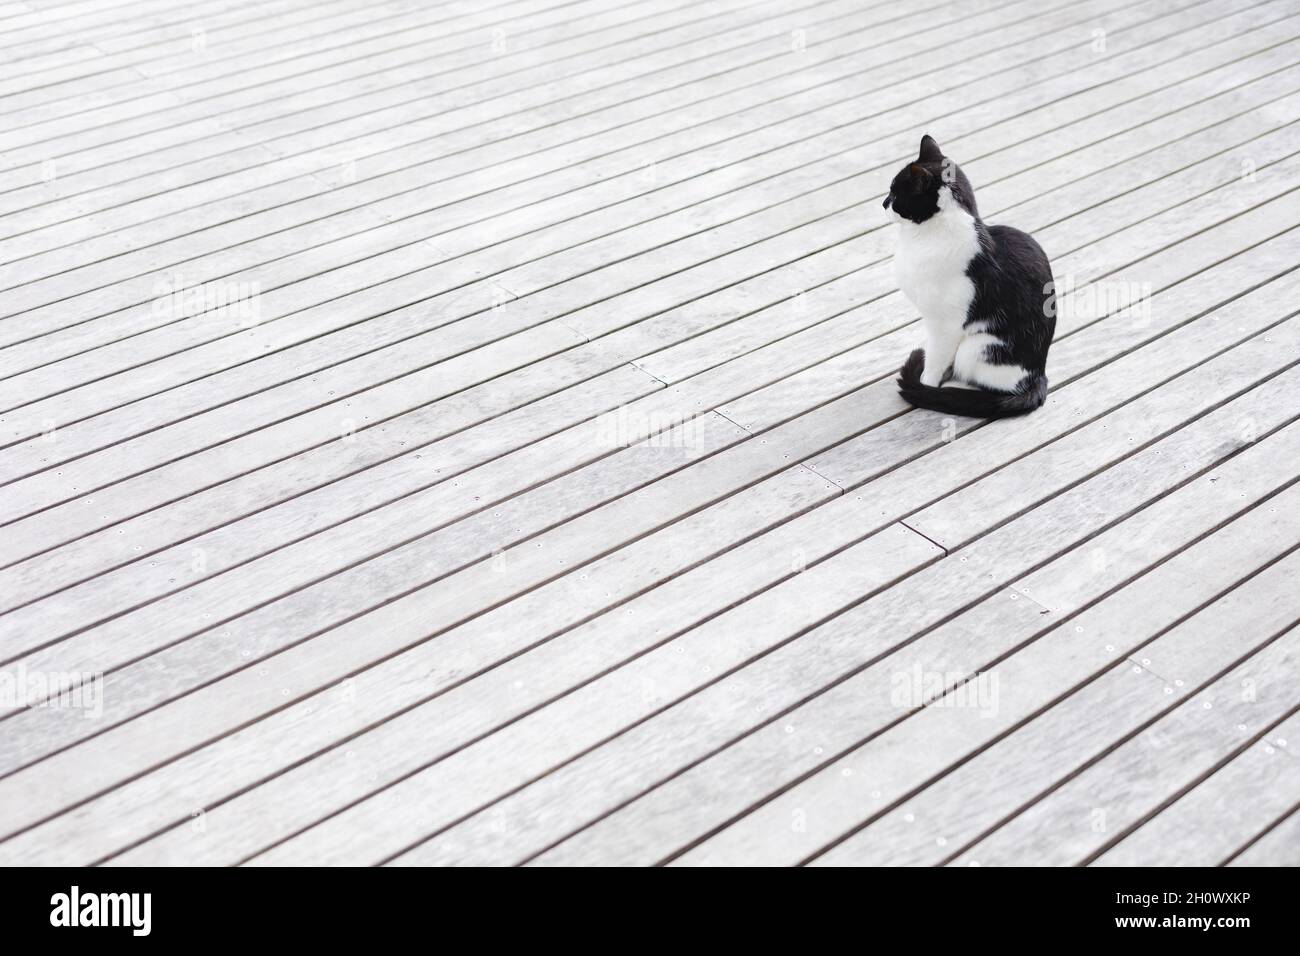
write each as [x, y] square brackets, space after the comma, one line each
[910, 374]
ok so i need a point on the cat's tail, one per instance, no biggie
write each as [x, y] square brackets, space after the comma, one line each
[975, 403]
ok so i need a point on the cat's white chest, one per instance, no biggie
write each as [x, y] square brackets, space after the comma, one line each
[930, 264]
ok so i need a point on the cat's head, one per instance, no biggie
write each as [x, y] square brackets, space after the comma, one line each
[929, 183]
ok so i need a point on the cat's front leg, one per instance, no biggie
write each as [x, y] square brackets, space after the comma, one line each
[940, 349]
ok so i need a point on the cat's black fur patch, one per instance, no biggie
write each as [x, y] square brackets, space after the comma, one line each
[1013, 293]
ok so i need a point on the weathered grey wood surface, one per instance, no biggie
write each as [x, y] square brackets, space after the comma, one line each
[549, 499]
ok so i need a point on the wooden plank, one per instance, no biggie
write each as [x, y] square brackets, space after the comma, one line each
[47, 112]
[782, 204]
[635, 830]
[323, 838]
[39, 620]
[887, 549]
[1279, 846]
[957, 519]
[841, 800]
[699, 590]
[372, 446]
[1050, 748]
[632, 159]
[707, 347]
[214, 81]
[535, 818]
[124, 646]
[469, 353]
[419, 549]
[398, 474]
[1207, 825]
[36, 31]
[59, 73]
[537, 118]
[488, 649]
[226, 21]
[289, 124]
[615, 49]
[1172, 754]
[422, 186]
[403, 177]
[599, 627]
[594, 532]
[190, 163]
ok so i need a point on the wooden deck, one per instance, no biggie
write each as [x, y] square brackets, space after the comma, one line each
[465, 433]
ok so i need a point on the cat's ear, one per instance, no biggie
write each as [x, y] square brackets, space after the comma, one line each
[930, 151]
[920, 176]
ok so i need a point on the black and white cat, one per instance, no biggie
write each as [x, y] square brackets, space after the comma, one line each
[985, 294]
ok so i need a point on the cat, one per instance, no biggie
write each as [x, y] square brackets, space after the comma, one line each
[985, 295]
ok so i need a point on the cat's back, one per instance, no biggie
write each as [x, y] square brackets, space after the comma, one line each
[1015, 293]
[1019, 253]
